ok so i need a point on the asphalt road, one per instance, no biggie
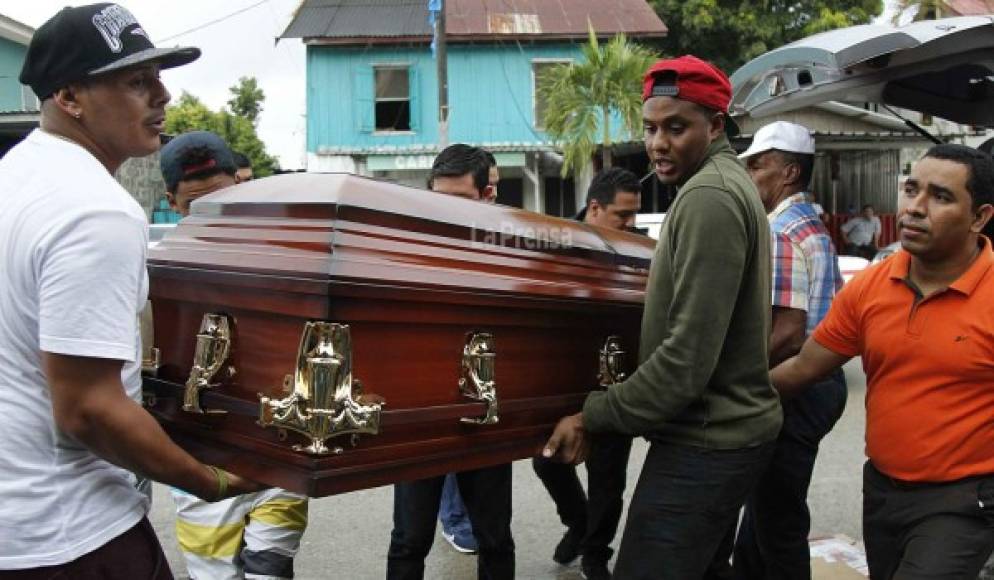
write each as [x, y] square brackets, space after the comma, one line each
[348, 535]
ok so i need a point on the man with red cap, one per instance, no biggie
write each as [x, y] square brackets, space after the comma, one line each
[701, 393]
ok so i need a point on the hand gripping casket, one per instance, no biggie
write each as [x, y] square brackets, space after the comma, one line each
[278, 302]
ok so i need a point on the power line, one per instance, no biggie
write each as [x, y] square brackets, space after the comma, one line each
[211, 23]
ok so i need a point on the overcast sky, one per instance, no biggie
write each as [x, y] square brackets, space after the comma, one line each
[235, 46]
[237, 39]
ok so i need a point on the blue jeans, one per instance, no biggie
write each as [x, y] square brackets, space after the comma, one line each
[487, 496]
[451, 511]
[772, 543]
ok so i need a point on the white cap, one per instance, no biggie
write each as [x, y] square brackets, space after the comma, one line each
[782, 136]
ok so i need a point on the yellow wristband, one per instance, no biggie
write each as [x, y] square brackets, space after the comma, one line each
[222, 481]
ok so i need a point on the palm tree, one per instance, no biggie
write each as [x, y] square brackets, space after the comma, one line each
[580, 98]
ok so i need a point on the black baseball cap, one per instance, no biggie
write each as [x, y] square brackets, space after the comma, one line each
[91, 40]
[194, 154]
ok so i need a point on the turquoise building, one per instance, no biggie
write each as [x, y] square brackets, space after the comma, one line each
[372, 85]
[18, 105]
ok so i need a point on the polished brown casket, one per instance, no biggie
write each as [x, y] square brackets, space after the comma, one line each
[479, 325]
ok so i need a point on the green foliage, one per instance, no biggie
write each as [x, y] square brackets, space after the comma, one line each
[190, 114]
[580, 98]
[729, 33]
[246, 99]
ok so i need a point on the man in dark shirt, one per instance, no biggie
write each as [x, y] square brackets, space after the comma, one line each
[613, 199]
[702, 392]
[463, 171]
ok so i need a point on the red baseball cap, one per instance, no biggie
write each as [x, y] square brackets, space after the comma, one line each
[690, 79]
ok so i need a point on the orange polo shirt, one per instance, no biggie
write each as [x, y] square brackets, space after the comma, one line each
[929, 367]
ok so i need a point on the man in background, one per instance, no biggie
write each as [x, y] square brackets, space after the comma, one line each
[255, 535]
[244, 171]
[591, 519]
[861, 234]
[772, 542]
[463, 171]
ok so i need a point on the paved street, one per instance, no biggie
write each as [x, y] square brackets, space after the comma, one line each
[348, 535]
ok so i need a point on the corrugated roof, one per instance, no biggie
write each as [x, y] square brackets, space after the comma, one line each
[341, 20]
[359, 18]
[562, 18]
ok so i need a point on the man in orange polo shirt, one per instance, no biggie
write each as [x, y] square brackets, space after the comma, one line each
[923, 322]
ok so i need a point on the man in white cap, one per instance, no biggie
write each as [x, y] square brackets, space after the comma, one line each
[75, 442]
[773, 537]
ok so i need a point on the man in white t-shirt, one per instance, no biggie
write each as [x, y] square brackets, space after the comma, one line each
[72, 253]
[861, 234]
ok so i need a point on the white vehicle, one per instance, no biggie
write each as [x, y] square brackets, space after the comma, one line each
[650, 223]
[941, 67]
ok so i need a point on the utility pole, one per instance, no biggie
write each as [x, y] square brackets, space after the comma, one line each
[443, 78]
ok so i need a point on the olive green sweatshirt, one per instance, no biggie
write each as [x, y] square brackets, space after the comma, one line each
[703, 375]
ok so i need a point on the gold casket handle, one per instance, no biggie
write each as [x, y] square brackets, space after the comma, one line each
[611, 362]
[477, 382]
[209, 357]
[323, 401]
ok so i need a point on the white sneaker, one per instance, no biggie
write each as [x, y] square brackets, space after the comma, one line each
[451, 539]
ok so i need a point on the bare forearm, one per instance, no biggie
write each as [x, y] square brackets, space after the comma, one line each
[782, 347]
[123, 433]
[789, 378]
[795, 374]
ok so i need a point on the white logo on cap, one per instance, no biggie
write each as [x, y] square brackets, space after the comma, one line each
[111, 22]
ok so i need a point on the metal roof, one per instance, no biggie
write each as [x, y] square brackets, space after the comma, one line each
[359, 18]
[15, 31]
[470, 20]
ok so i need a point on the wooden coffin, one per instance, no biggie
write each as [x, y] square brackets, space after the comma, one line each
[416, 277]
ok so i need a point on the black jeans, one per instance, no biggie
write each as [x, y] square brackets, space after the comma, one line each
[596, 514]
[487, 495]
[934, 531]
[772, 542]
[867, 251]
[686, 500]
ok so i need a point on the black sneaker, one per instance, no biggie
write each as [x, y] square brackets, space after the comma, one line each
[568, 548]
[594, 569]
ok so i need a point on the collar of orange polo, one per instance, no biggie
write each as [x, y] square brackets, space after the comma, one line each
[965, 284]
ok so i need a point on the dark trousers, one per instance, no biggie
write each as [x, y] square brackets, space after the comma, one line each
[867, 251]
[934, 531]
[596, 514]
[487, 495]
[772, 542]
[686, 500]
[134, 555]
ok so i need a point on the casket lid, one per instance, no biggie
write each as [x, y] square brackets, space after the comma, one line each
[341, 227]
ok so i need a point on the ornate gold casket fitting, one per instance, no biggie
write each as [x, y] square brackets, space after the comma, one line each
[322, 403]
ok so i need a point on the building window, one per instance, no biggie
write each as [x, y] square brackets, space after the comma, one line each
[539, 69]
[392, 98]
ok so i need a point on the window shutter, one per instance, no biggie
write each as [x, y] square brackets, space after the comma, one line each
[414, 94]
[363, 97]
